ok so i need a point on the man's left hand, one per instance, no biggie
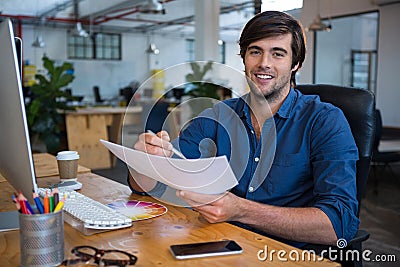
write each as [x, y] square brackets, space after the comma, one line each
[214, 208]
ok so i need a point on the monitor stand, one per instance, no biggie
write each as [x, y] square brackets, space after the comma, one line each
[68, 185]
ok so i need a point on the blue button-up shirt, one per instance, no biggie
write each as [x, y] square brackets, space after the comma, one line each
[306, 156]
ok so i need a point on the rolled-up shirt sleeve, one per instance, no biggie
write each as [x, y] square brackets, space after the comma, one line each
[334, 157]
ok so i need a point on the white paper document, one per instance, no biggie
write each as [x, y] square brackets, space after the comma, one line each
[206, 175]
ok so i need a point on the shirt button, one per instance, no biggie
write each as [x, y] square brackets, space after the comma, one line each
[251, 189]
[252, 131]
[256, 159]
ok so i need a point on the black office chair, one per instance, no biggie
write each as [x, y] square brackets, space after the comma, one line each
[97, 96]
[358, 106]
[381, 160]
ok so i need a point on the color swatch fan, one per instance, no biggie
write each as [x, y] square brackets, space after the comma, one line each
[138, 210]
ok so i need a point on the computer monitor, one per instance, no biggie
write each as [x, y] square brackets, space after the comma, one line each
[16, 161]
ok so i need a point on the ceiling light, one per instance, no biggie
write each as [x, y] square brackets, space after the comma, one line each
[152, 7]
[318, 25]
[79, 31]
[153, 49]
[38, 42]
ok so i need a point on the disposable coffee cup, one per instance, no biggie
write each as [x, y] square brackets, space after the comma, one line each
[67, 165]
[41, 239]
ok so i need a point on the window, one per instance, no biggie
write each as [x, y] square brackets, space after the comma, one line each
[190, 50]
[362, 69]
[346, 55]
[99, 46]
[80, 47]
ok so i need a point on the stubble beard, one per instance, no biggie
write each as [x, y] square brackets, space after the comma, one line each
[276, 92]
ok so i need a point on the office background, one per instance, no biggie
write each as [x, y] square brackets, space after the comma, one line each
[380, 213]
[135, 65]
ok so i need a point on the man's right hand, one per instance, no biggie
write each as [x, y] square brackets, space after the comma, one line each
[155, 144]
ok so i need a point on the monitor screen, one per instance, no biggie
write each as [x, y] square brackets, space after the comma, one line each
[16, 162]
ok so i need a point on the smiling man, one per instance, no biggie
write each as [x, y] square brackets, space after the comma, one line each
[300, 187]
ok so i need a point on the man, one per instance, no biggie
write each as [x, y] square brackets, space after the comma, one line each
[308, 194]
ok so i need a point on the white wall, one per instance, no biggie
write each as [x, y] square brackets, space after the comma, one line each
[348, 33]
[387, 92]
[337, 59]
[111, 76]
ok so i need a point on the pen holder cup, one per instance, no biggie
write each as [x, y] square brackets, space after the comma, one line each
[41, 239]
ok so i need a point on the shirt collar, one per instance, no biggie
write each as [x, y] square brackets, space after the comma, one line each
[284, 111]
[288, 104]
[243, 107]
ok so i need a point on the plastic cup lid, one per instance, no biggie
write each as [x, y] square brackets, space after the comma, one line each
[67, 155]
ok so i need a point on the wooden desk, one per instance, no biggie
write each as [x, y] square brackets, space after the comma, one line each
[150, 239]
[85, 127]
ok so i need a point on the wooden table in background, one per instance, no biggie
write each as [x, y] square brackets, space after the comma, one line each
[150, 239]
[46, 165]
[85, 127]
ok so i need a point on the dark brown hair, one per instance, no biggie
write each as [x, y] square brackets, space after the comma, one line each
[273, 23]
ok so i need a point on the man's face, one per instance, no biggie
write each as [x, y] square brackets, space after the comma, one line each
[268, 65]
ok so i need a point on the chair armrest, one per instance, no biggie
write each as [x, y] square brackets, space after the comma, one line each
[360, 236]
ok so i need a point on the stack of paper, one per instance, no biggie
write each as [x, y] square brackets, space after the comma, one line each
[206, 175]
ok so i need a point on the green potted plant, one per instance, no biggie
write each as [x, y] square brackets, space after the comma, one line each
[43, 111]
[199, 87]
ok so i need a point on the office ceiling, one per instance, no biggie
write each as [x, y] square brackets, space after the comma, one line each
[122, 15]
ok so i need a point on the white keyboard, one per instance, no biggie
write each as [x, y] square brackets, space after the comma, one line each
[93, 214]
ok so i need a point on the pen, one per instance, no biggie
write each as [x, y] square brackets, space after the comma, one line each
[176, 152]
[22, 203]
[51, 202]
[56, 196]
[28, 206]
[46, 203]
[15, 200]
[60, 205]
[39, 204]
